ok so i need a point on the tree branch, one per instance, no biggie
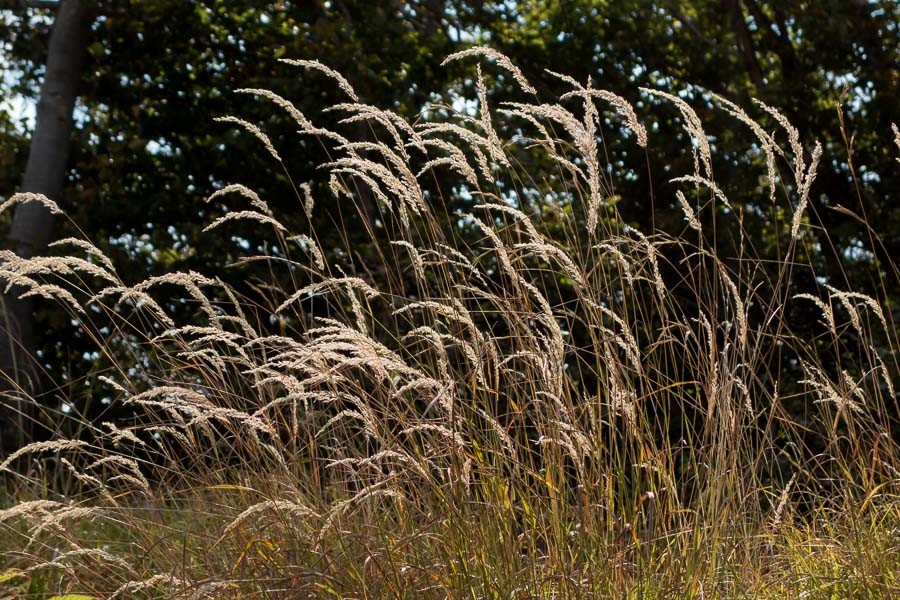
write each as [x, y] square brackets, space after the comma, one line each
[745, 50]
[779, 40]
[670, 6]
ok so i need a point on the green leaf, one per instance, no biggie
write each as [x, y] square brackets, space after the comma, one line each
[10, 575]
[73, 597]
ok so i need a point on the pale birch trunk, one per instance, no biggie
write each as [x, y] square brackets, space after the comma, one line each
[32, 223]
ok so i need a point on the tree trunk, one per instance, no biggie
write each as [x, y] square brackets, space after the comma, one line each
[32, 223]
[746, 52]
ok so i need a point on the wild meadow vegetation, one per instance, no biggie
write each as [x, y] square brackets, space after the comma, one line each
[521, 396]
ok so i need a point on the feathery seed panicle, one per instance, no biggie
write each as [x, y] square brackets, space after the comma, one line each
[623, 261]
[211, 589]
[566, 78]
[739, 309]
[339, 189]
[137, 298]
[589, 151]
[132, 588]
[283, 103]
[546, 251]
[203, 415]
[574, 128]
[582, 134]
[846, 298]
[622, 398]
[156, 432]
[127, 463]
[768, 145]
[782, 502]
[29, 508]
[48, 446]
[418, 265]
[455, 312]
[54, 521]
[837, 394]
[804, 186]
[308, 202]
[457, 160]
[43, 290]
[694, 127]
[198, 335]
[317, 66]
[501, 60]
[499, 249]
[256, 131]
[495, 149]
[87, 247]
[378, 172]
[711, 368]
[288, 506]
[250, 215]
[650, 252]
[392, 122]
[204, 356]
[243, 190]
[474, 142]
[689, 213]
[330, 284]
[883, 369]
[696, 179]
[170, 393]
[625, 340]
[439, 343]
[896, 137]
[412, 193]
[22, 197]
[623, 108]
[455, 437]
[118, 434]
[520, 216]
[10, 270]
[451, 254]
[310, 245]
[379, 461]
[544, 139]
[553, 344]
[103, 556]
[50, 265]
[189, 281]
[803, 177]
[291, 399]
[361, 414]
[793, 139]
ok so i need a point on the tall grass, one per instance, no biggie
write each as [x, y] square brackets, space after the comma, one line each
[528, 398]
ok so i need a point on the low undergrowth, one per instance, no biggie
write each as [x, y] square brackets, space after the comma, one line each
[511, 393]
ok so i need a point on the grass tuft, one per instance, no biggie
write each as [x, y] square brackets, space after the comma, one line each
[518, 394]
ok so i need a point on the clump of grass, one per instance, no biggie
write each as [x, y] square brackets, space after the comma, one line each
[526, 398]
